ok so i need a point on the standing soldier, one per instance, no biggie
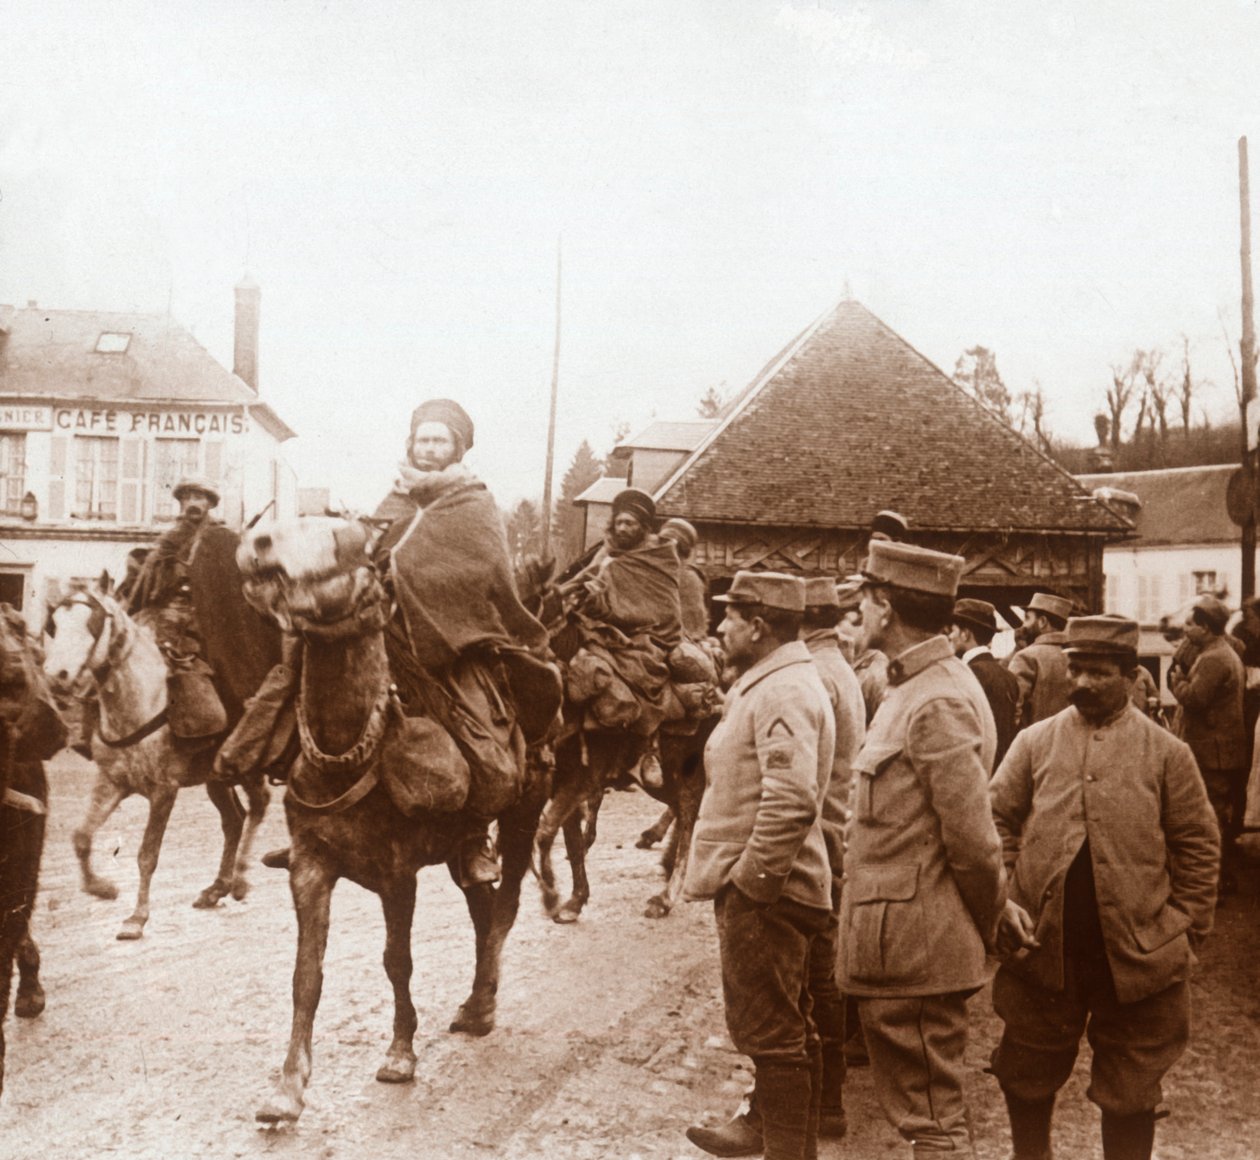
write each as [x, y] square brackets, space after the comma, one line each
[974, 627]
[758, 851]
[1210, 692]
[1041, 667]
[870, 666]
[1112, 851]
[923, 868]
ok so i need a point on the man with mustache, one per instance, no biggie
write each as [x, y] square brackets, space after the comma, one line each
[1040, 667]
[1111, 848]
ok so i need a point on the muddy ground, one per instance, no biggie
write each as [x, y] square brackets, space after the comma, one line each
[610, 1037]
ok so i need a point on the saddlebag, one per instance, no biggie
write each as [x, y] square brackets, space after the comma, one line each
[423, 769]
[194, 709]
[264, 739]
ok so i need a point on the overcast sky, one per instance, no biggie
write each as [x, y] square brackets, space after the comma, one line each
[1057, 182]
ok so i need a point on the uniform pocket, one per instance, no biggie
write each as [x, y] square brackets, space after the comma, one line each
[1167, 925]
[867, 766]
[886, 939]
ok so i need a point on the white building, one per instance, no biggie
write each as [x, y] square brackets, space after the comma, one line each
[101, 414]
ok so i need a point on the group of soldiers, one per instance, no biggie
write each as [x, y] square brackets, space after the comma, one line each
[1031, 811]
[886, 803]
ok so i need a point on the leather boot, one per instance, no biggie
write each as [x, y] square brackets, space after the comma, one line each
[478, 859]
[1128, 1137]
[1030, 1127]
[276, 859]
[739, 1136]
[783, 1095]
[833, 1124]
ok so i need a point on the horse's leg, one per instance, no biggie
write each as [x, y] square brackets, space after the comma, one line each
[311, 885]
[8, 948]
[257, 796]
[160, 806]
[231, 818]
[578, 838]
[657, 830]
[687, 787]
[398, 901]
[516, 839]
[106, 795]
[557, 812]
[30, 994]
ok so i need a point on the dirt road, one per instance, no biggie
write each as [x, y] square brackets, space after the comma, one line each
[610, 1037]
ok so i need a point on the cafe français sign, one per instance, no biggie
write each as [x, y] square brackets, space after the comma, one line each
[92, 421]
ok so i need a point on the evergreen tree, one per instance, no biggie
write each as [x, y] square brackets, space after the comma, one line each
[567, 522]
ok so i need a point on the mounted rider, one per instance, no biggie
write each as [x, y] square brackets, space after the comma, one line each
[463, 648]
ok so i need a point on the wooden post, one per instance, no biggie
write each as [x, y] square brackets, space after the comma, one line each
[1247, 349]
[551, 421]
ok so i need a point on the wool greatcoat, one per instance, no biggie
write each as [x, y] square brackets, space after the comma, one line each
[1133, 791]
[767, 766]
[1042, 672]
[923, 864]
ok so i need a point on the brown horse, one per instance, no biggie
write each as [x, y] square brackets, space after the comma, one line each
[343, 822]
[30, 732]
[590, 761]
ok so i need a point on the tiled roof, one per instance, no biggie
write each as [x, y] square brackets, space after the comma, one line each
[1180, 505]
[849, 419]
[683, 436]
[53, 354]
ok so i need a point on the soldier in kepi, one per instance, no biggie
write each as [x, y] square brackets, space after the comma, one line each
[464, 650]
[1041, 667]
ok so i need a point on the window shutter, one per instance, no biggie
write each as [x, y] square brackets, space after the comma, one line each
[131, 482]
[214, 460]
[57, 478]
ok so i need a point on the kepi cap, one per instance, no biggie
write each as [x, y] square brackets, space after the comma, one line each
[637, 503]
[849, 592]
[1216, 611]
[1107, 635]
[1059, 606]
[913, 568]
[890, 525]
[445, 411]
[195, 483]
[769, 589]
[976, 614]
[820, 592]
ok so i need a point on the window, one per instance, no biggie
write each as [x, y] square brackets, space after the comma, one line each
[1205, 582]
[12, 472]
[112, 342]
[1150, 599]
[174, 459]
[1113, 593]
[95, 478]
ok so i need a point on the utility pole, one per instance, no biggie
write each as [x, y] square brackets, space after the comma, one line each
[551, 421]
[1247, 349]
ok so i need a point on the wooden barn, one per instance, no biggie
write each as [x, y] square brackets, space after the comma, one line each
[850, 419]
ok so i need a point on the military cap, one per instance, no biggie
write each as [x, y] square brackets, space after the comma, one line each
[769, 589]
[195, 483]
[976, 614]
[1215, 611]
[913, 568]
[1107, 635]
[445, 411]
[637, 503]
[849, 592]
[1059, 606]
[681, 531]
[889, 525]
[820, 592]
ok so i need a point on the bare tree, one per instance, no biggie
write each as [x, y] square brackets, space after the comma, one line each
[1119, 395]
[1186, 389]
[1032, 416]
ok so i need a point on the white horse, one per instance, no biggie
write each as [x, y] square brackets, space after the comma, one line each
[97, 644]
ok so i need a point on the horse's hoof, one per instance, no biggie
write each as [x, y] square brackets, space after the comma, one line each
[206, 900]
[29, 1002]
[131, 930]
[282, 1108]
[101, 888]
[470, 1022]
[646, 840]
[567, 914]
[397, 1069]
[240, 889]
[656, 907]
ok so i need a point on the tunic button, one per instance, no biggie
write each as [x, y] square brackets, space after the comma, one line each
[1089, 777]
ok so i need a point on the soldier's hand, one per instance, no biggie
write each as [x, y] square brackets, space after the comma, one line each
[1015, 930]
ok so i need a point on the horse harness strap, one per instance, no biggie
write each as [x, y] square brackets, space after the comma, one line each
[23, 801]
[145, 730]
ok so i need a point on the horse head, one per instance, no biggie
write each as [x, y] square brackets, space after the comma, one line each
[313, 576]
[82, 630]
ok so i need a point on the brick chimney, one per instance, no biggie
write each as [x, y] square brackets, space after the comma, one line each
[245, 352]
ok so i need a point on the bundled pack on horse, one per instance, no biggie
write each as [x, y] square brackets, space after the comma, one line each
[31, 731]
[165, 705]
[392, 772]
[633, 682]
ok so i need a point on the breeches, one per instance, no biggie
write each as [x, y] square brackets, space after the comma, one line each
[765, 962]
[916, 1047]
[1133, 1044]
[828, 1003]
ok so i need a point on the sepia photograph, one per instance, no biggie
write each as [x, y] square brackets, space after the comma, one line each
[640, 580]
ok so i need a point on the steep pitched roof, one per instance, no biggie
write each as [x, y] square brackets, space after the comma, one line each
[849, 419]
[665, 436]
[54, 354]
[1180, 505]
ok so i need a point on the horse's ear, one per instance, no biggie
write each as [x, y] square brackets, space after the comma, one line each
[105, 582]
